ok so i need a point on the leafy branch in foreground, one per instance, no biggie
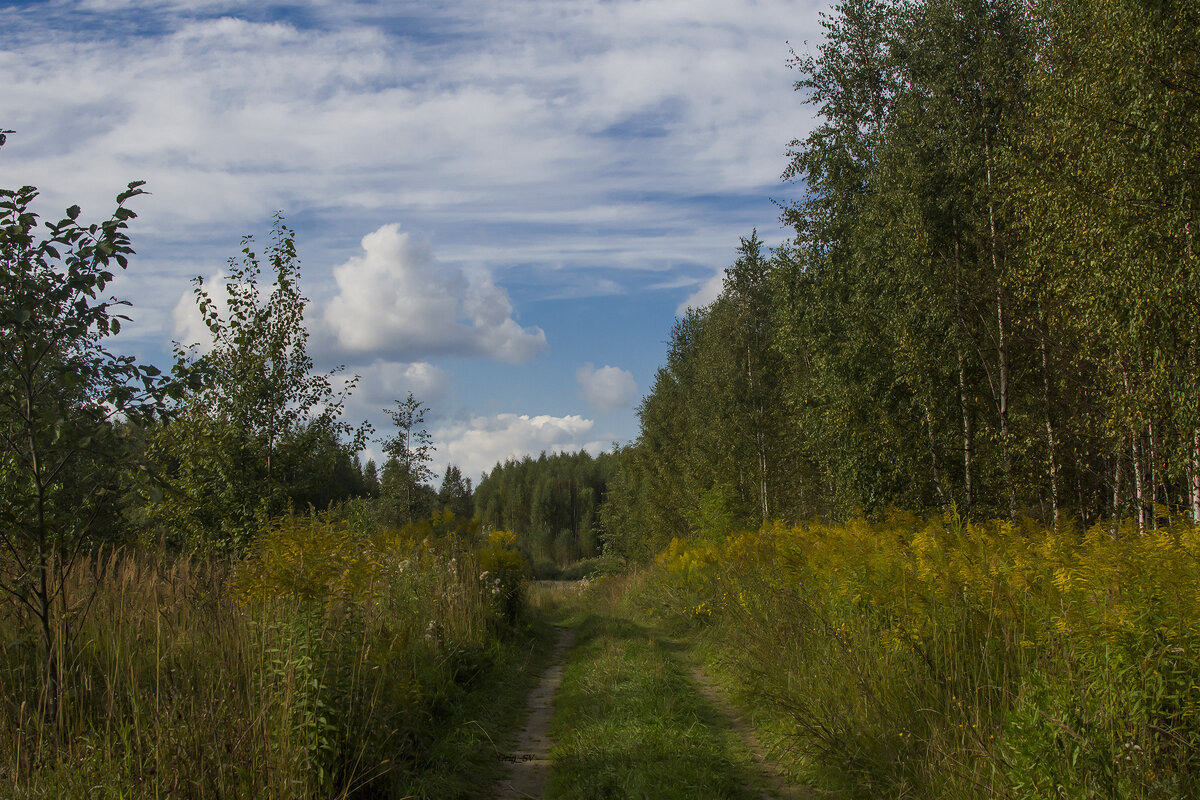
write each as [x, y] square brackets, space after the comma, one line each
[63, 396]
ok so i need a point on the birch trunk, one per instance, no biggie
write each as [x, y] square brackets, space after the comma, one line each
[1001, 341]
[1138, 488]
[1050, 440]
[1116, 496]
[968, 436]
[933, 454]
[1155, 476]
[1196, 477]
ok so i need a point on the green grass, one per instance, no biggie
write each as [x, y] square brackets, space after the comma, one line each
[629, 723]
[463, 762]
[936, 659]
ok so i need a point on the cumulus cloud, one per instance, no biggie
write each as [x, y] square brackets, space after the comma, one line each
[524, 136]
[479, 443]
[187, 323]
[606, 389]
[383, 382]
[397, 301]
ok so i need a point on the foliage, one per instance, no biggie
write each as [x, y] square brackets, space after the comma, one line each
[938, 658]
[552, 504]
[505, 571]
[326, 664]
[260, 419]
[989, 300]
[455, 494]
[64, 401]
[406, 472]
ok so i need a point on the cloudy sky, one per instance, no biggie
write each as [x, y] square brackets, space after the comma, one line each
[500, 206]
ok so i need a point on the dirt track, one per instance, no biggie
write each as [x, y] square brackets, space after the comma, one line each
[529, 762]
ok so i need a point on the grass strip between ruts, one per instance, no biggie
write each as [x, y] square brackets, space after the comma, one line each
[629, 723]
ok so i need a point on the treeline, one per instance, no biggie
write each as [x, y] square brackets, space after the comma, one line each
[991, 296]
[551, 503]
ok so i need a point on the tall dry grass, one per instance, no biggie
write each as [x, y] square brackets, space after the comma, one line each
[935, 658]
[320, 667]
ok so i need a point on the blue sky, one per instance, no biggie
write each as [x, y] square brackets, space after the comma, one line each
[500, 206]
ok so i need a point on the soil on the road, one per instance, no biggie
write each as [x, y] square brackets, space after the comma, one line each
[529, 762]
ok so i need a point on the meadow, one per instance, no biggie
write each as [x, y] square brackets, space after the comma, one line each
[329, 663]
[936, 658]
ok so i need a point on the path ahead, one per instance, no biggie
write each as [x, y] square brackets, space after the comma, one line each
[634, 720]
[529, 763]
[772, 773]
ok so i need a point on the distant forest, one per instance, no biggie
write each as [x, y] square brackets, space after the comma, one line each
[552, 503]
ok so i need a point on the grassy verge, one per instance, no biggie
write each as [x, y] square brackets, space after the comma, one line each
[329, 664]
[463, 762]
[940, 659]
[629, 722]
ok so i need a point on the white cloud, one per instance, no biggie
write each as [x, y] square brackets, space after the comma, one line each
[381, 383]
[606, 389]
[231, 117]
[188, 324]
[479, 443]
[397, 301]
[533, 138]
[709, 291]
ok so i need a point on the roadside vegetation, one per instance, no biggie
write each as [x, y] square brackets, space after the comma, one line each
[939, 658]
[924, 481]
[328, 663]
[206, 593]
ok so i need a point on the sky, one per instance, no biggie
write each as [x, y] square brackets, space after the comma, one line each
[498, 206]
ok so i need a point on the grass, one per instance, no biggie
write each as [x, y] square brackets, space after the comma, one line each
[328, 665]
[628, 721]
[939, 659]
[464, 762]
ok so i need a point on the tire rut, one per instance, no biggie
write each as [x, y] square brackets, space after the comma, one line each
[772, 773]
[529, 762]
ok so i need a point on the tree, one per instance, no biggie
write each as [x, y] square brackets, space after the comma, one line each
[455, 493]
[260, 412]
[1111, 190]
[747, 291]
[409, 453]
[61, 390]
[371, 479]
